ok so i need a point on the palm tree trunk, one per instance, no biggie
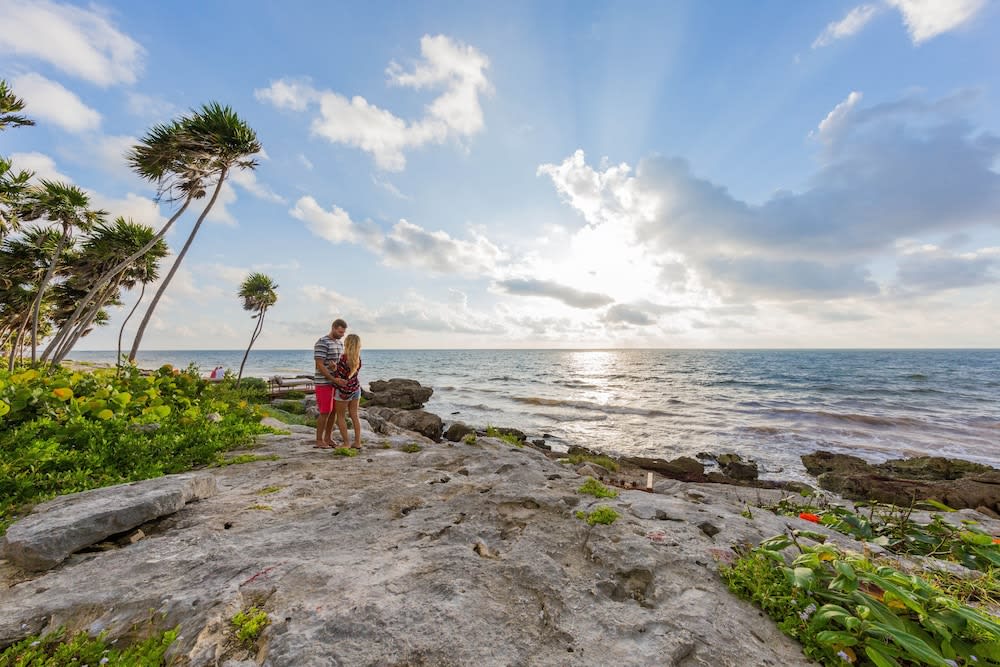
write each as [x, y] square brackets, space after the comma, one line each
[253, 339]
[173, 269]
[121, 332]
[16, 343]
[71, 340]
[110, 275]
[37, 307]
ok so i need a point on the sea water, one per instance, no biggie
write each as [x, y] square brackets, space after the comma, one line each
[768, 405]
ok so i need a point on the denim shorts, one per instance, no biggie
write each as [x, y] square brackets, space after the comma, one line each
[341, 396]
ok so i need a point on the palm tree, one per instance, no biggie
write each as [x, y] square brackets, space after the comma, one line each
[68, 207]
[179, 172]
[258, 293]
[103, 250]
[221, 141]
[10, 105]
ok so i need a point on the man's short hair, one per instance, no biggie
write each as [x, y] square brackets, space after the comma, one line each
[338, 323]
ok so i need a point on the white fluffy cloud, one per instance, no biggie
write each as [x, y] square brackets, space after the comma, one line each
[544, 288]
[81, 42]
[929, 18]
[851, 24]
[42, 165]
[47, 100]
[247, 179]
[458, 70]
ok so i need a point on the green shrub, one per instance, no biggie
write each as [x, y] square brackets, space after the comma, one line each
[345, 451]
[295, 407]
[411, 448]
[248, 624]
[601, 515]
[845, 607]
[469, 438]
[493, 432]
[54, 650]
[594, 488]
[603, 461]
[66, 431]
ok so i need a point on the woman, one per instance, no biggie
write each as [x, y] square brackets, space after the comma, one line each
[348, 394]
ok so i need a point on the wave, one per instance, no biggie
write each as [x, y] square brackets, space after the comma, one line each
[576, 384]
[869, 420]
[916, 376]
[589, 405]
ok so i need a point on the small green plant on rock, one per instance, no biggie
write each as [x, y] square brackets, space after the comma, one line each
[594, 488]
[469, 439]
[248, 624]
[411, 448]
[601, 515]
[54, 650]
[510, 438]
[345, 451]
[246, 458]
[604, 461]
[269, 489]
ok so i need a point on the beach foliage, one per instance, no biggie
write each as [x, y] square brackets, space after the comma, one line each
[56, 650]
[64, 431]
[248, 624]
[509, 438]
[602, 514]
[469, 438]
[603, 461]
[850, 608]
[594, 488]
[345, 451]
[258, 292]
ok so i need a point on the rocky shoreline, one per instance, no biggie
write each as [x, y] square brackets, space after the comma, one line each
[418, 551]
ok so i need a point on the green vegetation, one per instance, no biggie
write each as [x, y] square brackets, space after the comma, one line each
[493, 432]
[345, 451]
[601, 515]
[65, 431]
[849, 608]
[246, 458]
[258, 293]
[54, 650]
[248, 624]
[469, 438]
[267, 490]
[284, 415]
[594, 488]
[411, 448]
[603, 461]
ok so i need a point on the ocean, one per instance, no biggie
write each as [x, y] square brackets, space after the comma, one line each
[768, 405]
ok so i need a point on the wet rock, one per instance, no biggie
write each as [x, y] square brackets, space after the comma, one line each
[683, 468]
[457, 431]
[734, 466]
[399, 393]
[425, 423]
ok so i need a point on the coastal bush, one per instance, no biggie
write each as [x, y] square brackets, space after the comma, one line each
[469, 439]
[55, 650]
[65, 431]
[248, 624]
[601, 515]
[510, 438]
[295, 407]
[594, 488]
[847, 608]
[287, 417]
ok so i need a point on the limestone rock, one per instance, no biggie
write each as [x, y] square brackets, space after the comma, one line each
[399, 393]
[56, 529]
[425, 423]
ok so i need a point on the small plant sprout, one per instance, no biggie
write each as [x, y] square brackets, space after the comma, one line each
[469, 439]
[602, 514]
[248, 624]
[594, 488]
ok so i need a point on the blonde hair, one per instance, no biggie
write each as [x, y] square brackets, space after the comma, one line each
[352, 350]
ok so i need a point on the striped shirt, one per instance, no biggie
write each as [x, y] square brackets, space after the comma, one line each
[329, 351]
[344, 371]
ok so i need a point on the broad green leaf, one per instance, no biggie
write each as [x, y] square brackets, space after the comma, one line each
[105, 414]
[803, 577]
[977, 538]
[63, 393]
[836, 638]
[914, 646]
[879, 658]
[4, 408]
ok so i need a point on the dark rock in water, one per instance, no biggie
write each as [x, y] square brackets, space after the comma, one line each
[684, 468]
[457, 412]
[424, 423]
[734, 466]
[547, 436]
[506, 430]
[457, 431]
[540, 443]
[956, 483]
[399, 393]
[705, 456]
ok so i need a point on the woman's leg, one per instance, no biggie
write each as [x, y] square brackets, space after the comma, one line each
[341, 407]
[356, 420]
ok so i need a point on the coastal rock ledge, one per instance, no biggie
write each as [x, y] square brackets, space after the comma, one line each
[442, 554]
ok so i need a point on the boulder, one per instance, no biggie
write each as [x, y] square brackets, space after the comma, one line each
[60, 527]
[956, 483]
[424, 423]
[733, 465]
[683, 468]
[507, 430]
[457, 431]
[399, 393]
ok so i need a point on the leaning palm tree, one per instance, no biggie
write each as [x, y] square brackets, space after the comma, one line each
[68, 207]
[179, 172]
[12, 184]
[222, 141]
[10, 105]
[258, 293]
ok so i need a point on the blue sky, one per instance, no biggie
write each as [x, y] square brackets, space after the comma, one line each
[545, 174]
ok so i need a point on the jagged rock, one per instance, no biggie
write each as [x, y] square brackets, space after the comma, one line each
[734, 466]
[958, 484]
[683, 468]
[424, 423]
[457, 431]
[398, 393]
[56, 529]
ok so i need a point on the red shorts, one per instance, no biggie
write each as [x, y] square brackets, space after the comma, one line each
[324, 398]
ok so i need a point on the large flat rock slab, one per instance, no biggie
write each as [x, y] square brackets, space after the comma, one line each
[60, 527]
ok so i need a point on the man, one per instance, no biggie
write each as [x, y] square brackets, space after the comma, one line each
[326, 352]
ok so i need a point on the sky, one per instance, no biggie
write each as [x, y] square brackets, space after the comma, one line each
[547, 174]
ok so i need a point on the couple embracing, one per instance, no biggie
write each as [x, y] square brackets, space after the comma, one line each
[338, 389]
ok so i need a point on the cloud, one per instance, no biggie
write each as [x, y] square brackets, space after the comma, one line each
[621, 313]
[81, 42]
[458, 69]
[232, 275]
[389, 187]
[903, 169]
[49, 101]
[220, 212]
[43, 166]
[545, 288]
[929, 269]
[406, 245]
[306, 162]
[926, 19]
[851, 24]
[149, 107]
[247, 179]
